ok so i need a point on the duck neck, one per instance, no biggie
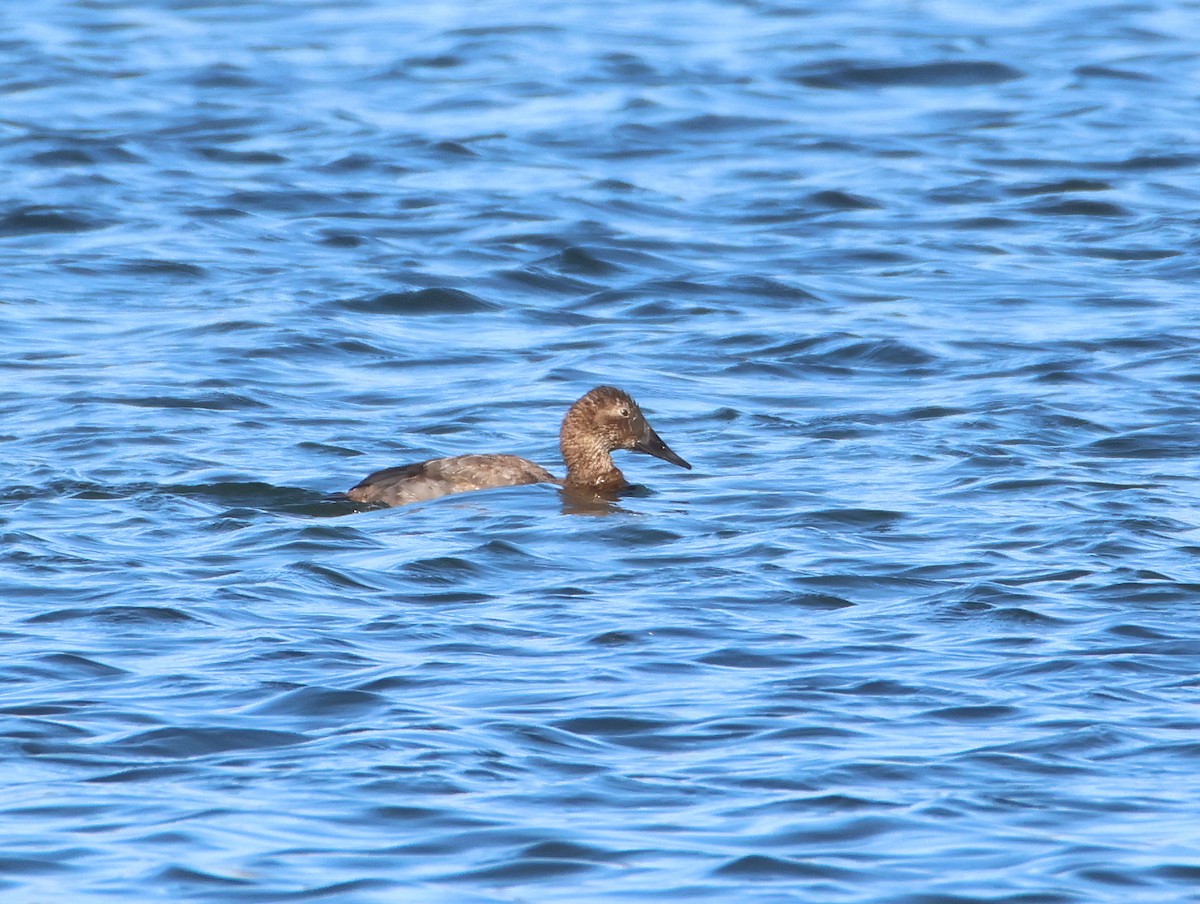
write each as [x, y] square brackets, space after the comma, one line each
[589, 464]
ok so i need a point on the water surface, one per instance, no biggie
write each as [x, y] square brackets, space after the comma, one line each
[912, 285]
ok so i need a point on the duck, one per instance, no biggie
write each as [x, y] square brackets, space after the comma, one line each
[602, 421]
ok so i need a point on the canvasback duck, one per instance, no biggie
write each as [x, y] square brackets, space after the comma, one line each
[604, 420]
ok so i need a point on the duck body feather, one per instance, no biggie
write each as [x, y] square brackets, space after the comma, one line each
[426, 480]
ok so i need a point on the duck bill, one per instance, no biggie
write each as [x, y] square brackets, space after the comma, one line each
[650, 443]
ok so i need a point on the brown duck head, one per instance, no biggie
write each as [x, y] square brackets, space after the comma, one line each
[603, 421]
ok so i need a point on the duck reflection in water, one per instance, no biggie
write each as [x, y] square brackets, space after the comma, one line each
[603, 421]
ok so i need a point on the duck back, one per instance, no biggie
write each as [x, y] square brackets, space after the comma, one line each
[443, 476]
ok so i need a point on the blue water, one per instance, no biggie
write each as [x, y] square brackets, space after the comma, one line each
[913, 285]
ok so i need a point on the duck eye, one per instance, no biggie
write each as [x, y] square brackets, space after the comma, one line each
[624, 412]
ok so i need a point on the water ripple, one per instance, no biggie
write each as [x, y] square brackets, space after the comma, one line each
[911, 286]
